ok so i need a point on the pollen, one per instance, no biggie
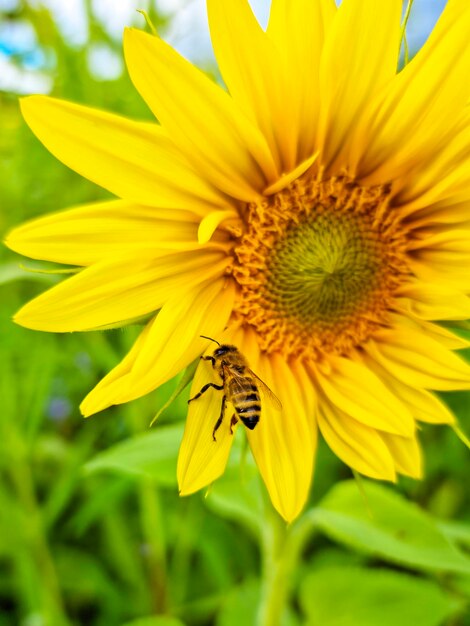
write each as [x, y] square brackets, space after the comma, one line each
[318, 266]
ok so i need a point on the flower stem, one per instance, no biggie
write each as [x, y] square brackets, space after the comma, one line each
[282, 549]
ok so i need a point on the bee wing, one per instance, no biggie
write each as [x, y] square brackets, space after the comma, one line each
[267, 393]
[238, 381]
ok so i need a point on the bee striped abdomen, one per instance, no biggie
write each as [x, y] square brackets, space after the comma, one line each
[245, 398]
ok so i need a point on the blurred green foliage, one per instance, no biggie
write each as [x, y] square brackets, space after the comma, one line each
[92, 530]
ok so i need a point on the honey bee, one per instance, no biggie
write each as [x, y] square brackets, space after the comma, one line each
[241, 387]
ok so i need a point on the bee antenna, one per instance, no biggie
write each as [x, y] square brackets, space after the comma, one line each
[210, 339]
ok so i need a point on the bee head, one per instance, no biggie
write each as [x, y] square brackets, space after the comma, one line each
[223, 350]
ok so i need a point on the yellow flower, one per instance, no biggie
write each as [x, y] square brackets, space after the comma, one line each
[317, 218]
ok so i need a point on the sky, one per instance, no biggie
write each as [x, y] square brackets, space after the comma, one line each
[188, 33]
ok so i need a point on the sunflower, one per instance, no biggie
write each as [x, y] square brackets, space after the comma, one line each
[314, 215]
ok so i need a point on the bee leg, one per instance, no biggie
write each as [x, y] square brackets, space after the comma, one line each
[205, 388]
[208, 358]
[233, 421]
[221, 417]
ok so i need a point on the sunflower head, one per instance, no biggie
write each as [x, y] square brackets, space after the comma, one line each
[314, 215]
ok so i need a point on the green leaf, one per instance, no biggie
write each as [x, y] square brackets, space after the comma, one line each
[155, 620]
[367, 597]
[456, 531]
[152, 455]
[388, 526]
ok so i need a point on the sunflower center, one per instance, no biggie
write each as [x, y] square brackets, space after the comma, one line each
[323, 268]
[318, 266]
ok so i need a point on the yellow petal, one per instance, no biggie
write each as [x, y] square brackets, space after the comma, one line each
[360, 56]
[251, 67]
[212, 221]
[406, 453]
[443, 335]
[433, 302]
[424, 405]
[93, 232]
[443, 257]
[133, 160]
[200, 117]
[104, 394]
[449, 211]
[290, 24]
[284, 442]
[170, 344]
[202, 460]
[447, 338]
[449, 240]
[440, 272]
[288, 178]
[113, 291]
[357, 445]
[418, 360]
[298, 29]
[359, 393]
[174, 340]
[443, 173]
[423, 102]
[446, 252]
